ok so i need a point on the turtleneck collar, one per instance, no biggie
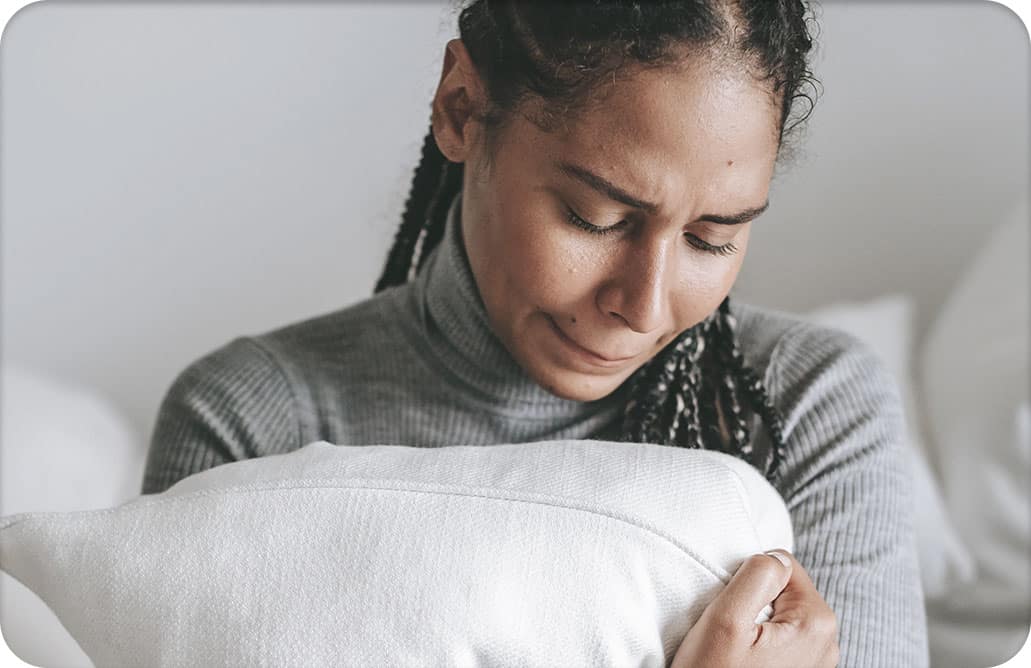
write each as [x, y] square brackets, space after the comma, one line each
[445, 303]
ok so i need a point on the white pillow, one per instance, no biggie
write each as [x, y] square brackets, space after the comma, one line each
[537, 554]
[65, 447]
[885, 324]
[975, 377]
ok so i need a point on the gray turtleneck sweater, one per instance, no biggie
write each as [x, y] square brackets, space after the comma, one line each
[418, 365]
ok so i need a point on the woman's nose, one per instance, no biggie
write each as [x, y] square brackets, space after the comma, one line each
[638, 292]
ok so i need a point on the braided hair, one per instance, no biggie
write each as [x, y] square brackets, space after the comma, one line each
[698, 391]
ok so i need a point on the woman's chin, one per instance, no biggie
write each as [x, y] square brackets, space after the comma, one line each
[577, 386]
[564, 375]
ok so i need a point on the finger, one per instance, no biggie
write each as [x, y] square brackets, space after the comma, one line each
[757, 582]
[801, 615]
[815, 630]
[798, 573]
[799, 594]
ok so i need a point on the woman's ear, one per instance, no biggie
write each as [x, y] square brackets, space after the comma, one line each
[460, 96]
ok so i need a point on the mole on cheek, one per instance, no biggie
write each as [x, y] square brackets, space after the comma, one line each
[574, 320]
[729, 163]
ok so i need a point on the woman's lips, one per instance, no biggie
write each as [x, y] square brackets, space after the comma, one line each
[585, 353]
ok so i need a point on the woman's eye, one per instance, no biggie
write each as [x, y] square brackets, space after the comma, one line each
[701, 244]
[593, 229]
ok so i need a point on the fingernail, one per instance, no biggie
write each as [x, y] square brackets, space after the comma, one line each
[779, 556]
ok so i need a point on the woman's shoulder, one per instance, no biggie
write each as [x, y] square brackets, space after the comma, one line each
[296, 351]
[838, 401]
[787, 345]
[813, 372]
[336, 330]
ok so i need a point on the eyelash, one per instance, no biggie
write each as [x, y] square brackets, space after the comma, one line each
[724, 250]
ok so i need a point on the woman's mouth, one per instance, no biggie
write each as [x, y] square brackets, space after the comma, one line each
[583, 353]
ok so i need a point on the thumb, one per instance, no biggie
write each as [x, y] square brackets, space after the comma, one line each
[758, 581]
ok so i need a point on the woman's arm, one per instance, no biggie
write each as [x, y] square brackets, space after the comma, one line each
[234, 403]
[847, 486]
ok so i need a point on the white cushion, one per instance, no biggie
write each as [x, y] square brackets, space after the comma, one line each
[66, 447]
[537, 554]
[886, 325]
[974, 377]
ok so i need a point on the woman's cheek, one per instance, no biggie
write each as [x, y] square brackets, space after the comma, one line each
[586, 267]
[548, 262]
[701, 288]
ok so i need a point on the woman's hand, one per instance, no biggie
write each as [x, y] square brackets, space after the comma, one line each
[802, 633]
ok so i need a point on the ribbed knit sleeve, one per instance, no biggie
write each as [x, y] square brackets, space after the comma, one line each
[847, 486]
[234, 403]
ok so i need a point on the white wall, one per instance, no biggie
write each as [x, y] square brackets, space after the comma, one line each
[919, 144]
[176, 175]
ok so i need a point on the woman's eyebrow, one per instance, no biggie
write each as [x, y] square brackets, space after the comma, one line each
[605, 187]
[737, 218]
[616, 193]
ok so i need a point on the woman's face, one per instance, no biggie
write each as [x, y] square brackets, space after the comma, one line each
[671, 165]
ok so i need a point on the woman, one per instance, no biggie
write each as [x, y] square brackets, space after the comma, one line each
[580, 213]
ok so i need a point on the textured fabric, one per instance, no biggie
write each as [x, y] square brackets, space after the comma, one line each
[418, 365]
[563, 553]
[886, 326]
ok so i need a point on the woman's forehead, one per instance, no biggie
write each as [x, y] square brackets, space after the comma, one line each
[685, 114]
[664, 132]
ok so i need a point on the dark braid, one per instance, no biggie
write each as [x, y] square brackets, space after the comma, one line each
[449, 184]
[558, 52]
[755, 392]
[674, 397]
[436, 181]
